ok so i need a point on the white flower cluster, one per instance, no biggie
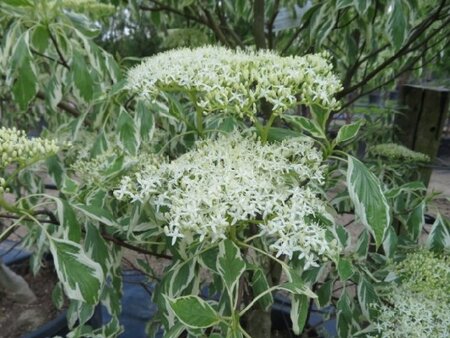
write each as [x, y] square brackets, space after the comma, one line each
[420, 306]
[413, 315]
[235, 181]
[397, 152]
[220, 79]
[16, 147]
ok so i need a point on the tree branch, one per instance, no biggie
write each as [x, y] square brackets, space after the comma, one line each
[162, 7]
[271, 23]
[68, 107]
[60, 54]
[124, 244]
[417, 32]
[259, 24]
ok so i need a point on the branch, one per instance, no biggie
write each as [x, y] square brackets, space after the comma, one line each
[67, 106]
[211, 23]
[258, 24]
[408, 67]
[226, 26]
[417, 31]
[60, 54]
[162, 7]
[132, 247]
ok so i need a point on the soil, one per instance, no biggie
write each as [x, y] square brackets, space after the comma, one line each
[18, 319]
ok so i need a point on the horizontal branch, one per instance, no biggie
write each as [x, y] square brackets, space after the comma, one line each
[67, 106]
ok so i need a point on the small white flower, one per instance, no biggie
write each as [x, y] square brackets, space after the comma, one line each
[235, 180]
[236, 81]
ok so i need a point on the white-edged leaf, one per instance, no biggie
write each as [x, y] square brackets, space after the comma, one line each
[144, 121]
[82, 80]
[81, 276]
[367, 297]
[304, 124]
[194, 312]
[390, 242]
[348, 132]
[397, 23]
[99, 214]
[230, 264]
[129, 136]
[345, 268]
[416, 220]
[26, 86]
[439, 237]
[54, 92]
[370, 203]
[259, 285]
[299, 312]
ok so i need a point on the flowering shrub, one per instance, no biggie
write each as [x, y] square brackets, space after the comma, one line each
[193, 170]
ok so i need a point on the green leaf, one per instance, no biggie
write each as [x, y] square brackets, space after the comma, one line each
[100, 145]
[58, 295]
[209, 258]
[397, 23]
[344, 316]
[320, 115]
[279, 134]
[40, 38]
[362, 6]
[439, 238]
[299, 312]
[128, 134]
[259, 285]
[175, 331]
[96, 246]
[83, 24]
[21, 53]
[81, 276]
[390, 242]
[370, 204]
[324, 293]
[345, 268]
[416, 220]
[18, 3]
[230, 264]
[145, 121]
[302, 123]
[194, 312]
[343, 236]
[99, 214]
[26, 86]
[182, 275]
[348, 132]
[54, 92]
[81, 77]
[340, 4]
[362, 245]
[367, 297]
[68, 219]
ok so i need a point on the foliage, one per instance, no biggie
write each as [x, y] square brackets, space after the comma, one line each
[199, 156]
